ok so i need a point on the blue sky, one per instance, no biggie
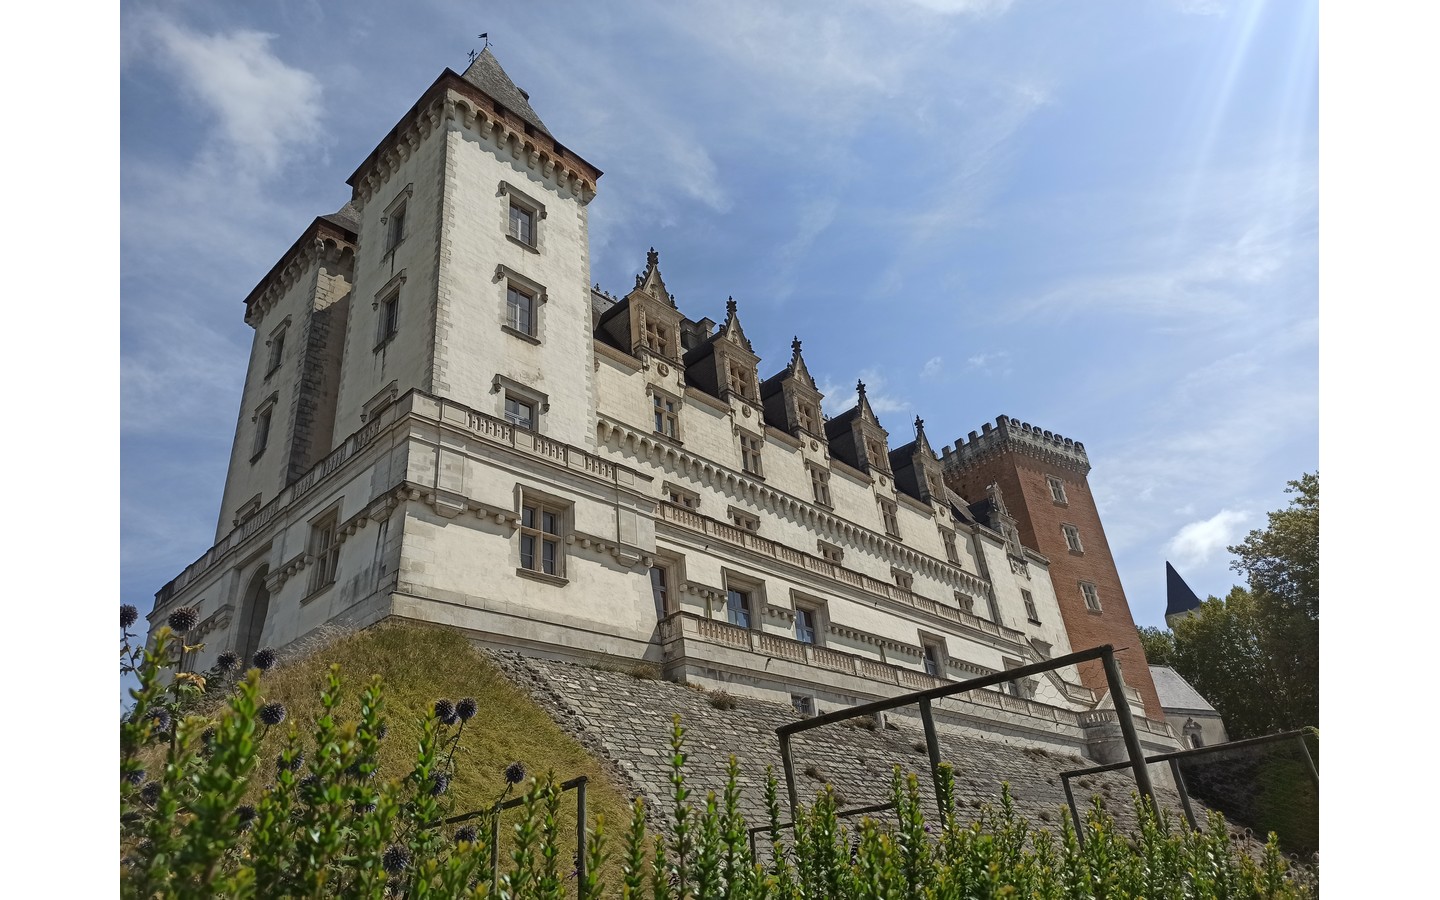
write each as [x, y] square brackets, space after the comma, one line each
[1097, 217]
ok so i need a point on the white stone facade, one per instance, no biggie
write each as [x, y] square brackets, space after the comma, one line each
[582, 527]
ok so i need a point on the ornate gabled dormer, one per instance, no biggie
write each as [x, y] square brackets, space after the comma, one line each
[791, 399]
[646, 322]
[725, 365]
[992, 513]
[917, 470]
[857, 437]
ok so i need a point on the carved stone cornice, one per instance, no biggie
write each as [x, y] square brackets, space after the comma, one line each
[322, 243]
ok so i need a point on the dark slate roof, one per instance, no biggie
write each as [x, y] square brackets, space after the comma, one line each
[1175, 692]
[346, 217]
[1178, 596]
[486, 74]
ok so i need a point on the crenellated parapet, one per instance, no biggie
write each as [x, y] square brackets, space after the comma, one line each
[1013, 436]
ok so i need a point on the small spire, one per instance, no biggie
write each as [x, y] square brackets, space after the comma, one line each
[919, 425]
[860, 387]
[652, 259]
[795, 346]
[730, 307]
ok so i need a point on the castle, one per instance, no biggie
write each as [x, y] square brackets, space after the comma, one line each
[443, 420]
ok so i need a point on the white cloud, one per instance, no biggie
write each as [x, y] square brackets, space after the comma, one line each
[265, 110]
[1196, 542]
[933, 367]
[997, 363]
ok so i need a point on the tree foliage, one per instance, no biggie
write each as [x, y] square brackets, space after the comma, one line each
[1255, 655]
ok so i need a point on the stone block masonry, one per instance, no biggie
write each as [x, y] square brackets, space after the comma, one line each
[625, 721]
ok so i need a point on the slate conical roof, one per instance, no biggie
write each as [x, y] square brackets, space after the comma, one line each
[1178, 596]
[486, 74]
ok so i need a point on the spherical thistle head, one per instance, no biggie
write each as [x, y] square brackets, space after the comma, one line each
[466, 835]
[293, 765]
[514, 773]
[128, 615]
[245, 816]
[272, 713]
[395, 860]
[264, 660]
[310, 780]
[383, 730]
[207, 741]
[150, 792]
[227, 661]
[160, 719]
[445, 711]
[466, 709]
[361, 808]
[440, 784]
[183, 619]
[135, 777]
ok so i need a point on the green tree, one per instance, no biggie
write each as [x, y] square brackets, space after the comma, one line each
[1255, 655]
[1158, 644]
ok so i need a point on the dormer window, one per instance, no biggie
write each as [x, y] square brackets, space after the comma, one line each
[808, 420]
[657, 336]
[738, 379]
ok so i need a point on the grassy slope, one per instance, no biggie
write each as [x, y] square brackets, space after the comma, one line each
[419, 665]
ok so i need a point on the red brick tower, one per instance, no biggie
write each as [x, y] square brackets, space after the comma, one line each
[1042, 477]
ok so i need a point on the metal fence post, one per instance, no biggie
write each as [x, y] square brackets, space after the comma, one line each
[1184, 794]
[1127, 723]
[789, 763]
[1309, 760]
[1074, 813]
[932, 748]
[580, 838]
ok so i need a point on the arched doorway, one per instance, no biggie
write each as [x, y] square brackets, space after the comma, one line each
[253, 610]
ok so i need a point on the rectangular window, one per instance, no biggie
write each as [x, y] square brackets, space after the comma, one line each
[541, 538]
[805, 625]
[808, 420]
[277, 352]
[395, 228]
[804, 705]
[262, 431]
[737, 608]
[667, 417]
[1072, 538]
[1031, 612]
[389, 323]
[519, 413]
[522, 224]
[934, 659]
[744, 520]
[903, 579]
[738, 379]
[750, 453]
[820, 484]
[326, 549]
[831, 553]
[659, 590]
[520, 310]
[952, 553]
[887, 513]
[681, 497]
[1092, 597]
[965, 601]
[1057, 489]
[657, 336]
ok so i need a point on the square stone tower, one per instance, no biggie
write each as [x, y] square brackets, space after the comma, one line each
[1042, 489]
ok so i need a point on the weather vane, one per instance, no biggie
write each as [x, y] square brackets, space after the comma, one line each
[484, 36]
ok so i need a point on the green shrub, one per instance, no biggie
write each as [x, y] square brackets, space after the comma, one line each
[328, 826]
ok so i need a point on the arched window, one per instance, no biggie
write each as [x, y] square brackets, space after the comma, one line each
[252, 616]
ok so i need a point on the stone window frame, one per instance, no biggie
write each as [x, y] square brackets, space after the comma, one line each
[965, 602]
[754, 590]
[264, 419]
[1072, 538]
[323, 549]
[673, 565]
[820, 484]
[659, 397]
[383, 398]
[508, 388]
[819, 617]
[743, 519]
[523, 201]
[1057, 491]
[889, 517]
[1020, 688]
[247, 510]
[804, 705]
[829, 552]
[687, 499]
[929, 640]
[542, 502]
[1032, 612]
[382, 304]
[393, 218]
[749, 454]
[276, 343]
[952, 549]
[511, 280]
[904, 580]
[1091, 596]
